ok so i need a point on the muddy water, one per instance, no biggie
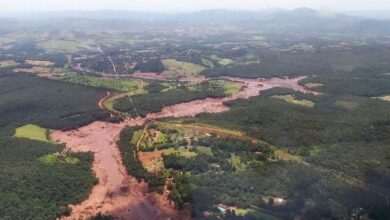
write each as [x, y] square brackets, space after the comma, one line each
[119, 194]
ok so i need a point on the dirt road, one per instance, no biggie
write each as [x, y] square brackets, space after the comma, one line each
[101, 101]
[119, 194]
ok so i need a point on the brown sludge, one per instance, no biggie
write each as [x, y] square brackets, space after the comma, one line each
[119, 194]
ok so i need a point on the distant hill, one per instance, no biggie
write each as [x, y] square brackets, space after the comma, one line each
[373, 14]
[276, 20]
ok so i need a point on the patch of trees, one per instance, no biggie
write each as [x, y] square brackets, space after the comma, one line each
[180, 190]
[293, 182]
[141, 105]
[291, 126]
[154, 66]
[50, 104]
[198, 164]
[30, 189]
[154, 87]
[27, 47]
[223, 147]
[334, 135]
[132, 162]
[360, 83]
[99, 64]
[179, 186]
[102, 217]
[324, 62]
[251, 154]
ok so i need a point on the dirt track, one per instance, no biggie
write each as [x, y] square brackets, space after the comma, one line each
[119, 194]
[100, 104]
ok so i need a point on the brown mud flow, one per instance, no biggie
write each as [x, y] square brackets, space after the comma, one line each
[118, 193]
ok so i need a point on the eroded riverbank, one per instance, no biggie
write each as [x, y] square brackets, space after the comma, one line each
[117, 193]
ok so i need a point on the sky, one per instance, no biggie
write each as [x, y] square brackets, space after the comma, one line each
[188, 5]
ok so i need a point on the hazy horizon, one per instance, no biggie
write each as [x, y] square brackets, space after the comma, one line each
[186, 6]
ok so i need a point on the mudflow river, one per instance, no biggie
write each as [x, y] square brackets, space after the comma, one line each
[119, 194]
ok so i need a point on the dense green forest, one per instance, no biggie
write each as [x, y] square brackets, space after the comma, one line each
[333, 119]
[51, 104]
[36, 185]
[154, 66]
[37, 179]
[328, 159]
[342, 135]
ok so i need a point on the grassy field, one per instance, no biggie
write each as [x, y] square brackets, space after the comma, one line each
[292, 100]
[229, 87]
[39, 63]
[114, 84]
[64, 46]
[204, 150]
[236, 162]
[33, 132]
[179, 68]
[58, 158]
[182, 151]
[222, 61]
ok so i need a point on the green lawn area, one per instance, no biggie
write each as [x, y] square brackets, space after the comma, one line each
[291, 99]
[180, 68]
[204, 150]
[230, 87]
[225, 61]
[181, 152]
[32, 132]
[236, 162]
[222, 61]
[56, 158]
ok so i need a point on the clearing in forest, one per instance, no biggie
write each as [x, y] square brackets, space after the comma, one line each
[39, 63]
[222, 61]
[65, 46]
[33, 132]
[350, 105]
[385, 98]
[292, 100]
[179, 68]
[113, 84]
[313, 85]
[8, 63]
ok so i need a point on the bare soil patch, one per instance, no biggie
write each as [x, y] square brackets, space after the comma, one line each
[39, 63]
[38, 70]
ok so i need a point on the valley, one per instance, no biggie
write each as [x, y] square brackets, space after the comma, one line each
[216, 114]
